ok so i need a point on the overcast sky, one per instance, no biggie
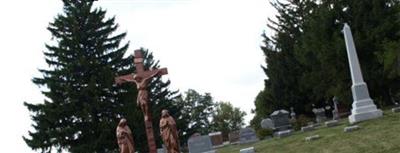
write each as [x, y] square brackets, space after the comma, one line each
[207, 45]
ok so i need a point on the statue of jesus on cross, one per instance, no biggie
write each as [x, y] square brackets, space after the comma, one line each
[141, 84]
[142, 78]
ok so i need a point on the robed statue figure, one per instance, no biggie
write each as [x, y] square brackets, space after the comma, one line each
[124, 137]
[168, 132]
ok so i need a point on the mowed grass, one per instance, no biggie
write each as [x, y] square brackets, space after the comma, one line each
[380, 135]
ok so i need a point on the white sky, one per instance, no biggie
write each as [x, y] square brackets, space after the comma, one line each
[207, 45]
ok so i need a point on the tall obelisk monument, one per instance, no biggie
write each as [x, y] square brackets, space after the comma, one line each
[363, 106]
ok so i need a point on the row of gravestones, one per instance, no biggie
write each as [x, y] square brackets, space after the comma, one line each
[207, 143]
[280, 122]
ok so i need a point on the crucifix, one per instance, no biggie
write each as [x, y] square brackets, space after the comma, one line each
[142, 78]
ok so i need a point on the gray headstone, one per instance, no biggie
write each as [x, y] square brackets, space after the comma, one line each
[281, 134]
[234, 136]
[332, 123]
[247, 150]
[316, 125]
[267, 124]
[363, 106]
[311, 138]
[319, 115]
[280, 119]
[307, 128]
[351, 128]
[247, 135]
[200, 144]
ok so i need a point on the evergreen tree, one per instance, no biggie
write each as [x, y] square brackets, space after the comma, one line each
[282, 87]
[321, 52]
[78, 113]
[83, 105]
[322, 48]
[376, 26]
[306, 61]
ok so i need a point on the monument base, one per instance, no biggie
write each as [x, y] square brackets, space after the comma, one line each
[364, 112]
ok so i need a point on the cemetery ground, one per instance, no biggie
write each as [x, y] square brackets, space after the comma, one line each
[381, 135]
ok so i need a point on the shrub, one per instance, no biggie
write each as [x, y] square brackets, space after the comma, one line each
[262, 133]
[301, 121]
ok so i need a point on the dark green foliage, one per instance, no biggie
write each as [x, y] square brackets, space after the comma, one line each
[282, 88]
[227, 118]
[306, 60]
[83, 105]
[301, 121]
[263, 133]
[78, 114]
[196, 111]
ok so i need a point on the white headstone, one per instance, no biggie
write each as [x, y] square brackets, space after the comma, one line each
[363, 106]
[247, 150]
[311, 138]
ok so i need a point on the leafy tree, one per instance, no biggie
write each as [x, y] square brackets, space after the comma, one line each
[196, 112]
[227, 118]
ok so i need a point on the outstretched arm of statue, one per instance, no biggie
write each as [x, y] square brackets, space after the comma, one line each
[125, 78]
[157, 71]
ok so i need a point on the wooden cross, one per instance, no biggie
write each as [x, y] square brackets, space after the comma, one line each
[142, 78]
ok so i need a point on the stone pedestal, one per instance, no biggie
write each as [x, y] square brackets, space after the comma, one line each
[363, 106]
[281, 134]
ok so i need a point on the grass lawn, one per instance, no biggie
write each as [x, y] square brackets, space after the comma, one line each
[380, 135]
